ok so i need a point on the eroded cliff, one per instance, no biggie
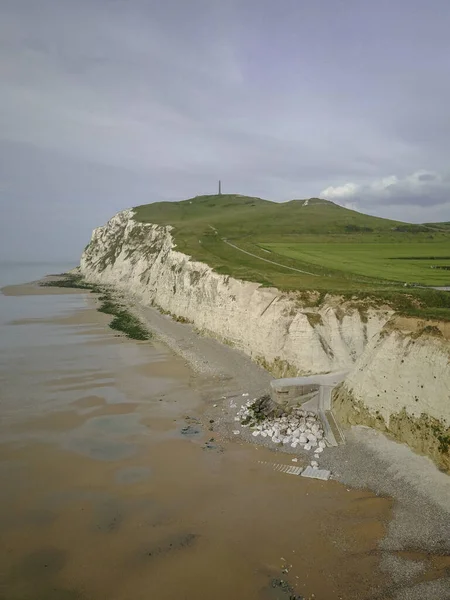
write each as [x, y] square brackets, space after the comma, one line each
[401, 385]
[399, 375]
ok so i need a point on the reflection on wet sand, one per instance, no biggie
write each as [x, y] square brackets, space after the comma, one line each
[104, 496]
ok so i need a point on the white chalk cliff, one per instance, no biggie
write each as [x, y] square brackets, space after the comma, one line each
[394, 374]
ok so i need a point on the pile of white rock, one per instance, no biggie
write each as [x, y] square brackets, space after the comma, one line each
[298, 428]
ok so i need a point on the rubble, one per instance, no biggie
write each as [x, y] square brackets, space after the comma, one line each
[296, 428]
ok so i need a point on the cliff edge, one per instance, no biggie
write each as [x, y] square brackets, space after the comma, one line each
[399, 378]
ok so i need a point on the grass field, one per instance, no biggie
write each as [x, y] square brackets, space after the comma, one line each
[426, 263]
[340, 250]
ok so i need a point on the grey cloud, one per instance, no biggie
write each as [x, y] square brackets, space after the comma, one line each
[427, 177]
[407, 198]
[110, 103]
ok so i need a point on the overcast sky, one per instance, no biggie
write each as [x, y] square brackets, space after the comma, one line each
[105, 104]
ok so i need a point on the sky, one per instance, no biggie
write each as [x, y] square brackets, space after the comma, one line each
[107, 104]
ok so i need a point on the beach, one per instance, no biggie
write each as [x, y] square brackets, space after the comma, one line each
[121, 477]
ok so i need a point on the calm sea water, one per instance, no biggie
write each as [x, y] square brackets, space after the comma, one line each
[103, 495]
[21, 272]
[17, 307]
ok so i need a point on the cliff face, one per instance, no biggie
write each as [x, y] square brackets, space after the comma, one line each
[401, 385]
[273, 328]
[283, 332]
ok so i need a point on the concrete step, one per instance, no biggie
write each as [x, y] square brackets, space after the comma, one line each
[316, 473]
[289, 469]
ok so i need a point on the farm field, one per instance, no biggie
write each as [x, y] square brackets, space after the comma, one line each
[427, 263]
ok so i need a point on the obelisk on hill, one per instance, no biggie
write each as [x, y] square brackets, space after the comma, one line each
[220, 188]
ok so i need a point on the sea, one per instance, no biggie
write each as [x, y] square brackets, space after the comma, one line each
[113, 486]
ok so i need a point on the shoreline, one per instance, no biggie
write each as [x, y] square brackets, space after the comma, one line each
[419, 532]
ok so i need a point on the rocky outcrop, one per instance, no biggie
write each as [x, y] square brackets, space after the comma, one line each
[393, 371]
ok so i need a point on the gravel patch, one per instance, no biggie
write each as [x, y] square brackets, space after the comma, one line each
[229, 368]
[422, 512]
[400, 569]
[428, 590]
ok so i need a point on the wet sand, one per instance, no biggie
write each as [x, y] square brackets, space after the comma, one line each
[171, 520]
[35, 289]
[114, 484]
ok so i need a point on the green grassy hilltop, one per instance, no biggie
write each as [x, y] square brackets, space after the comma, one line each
[313, 244]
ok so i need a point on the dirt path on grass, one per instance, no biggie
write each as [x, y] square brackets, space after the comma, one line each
[267, 260]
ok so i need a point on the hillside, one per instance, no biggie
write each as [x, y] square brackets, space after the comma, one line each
[443, 226]
[238, 216]
[309, 244]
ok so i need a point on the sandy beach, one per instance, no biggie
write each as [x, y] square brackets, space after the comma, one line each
[122, 479]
